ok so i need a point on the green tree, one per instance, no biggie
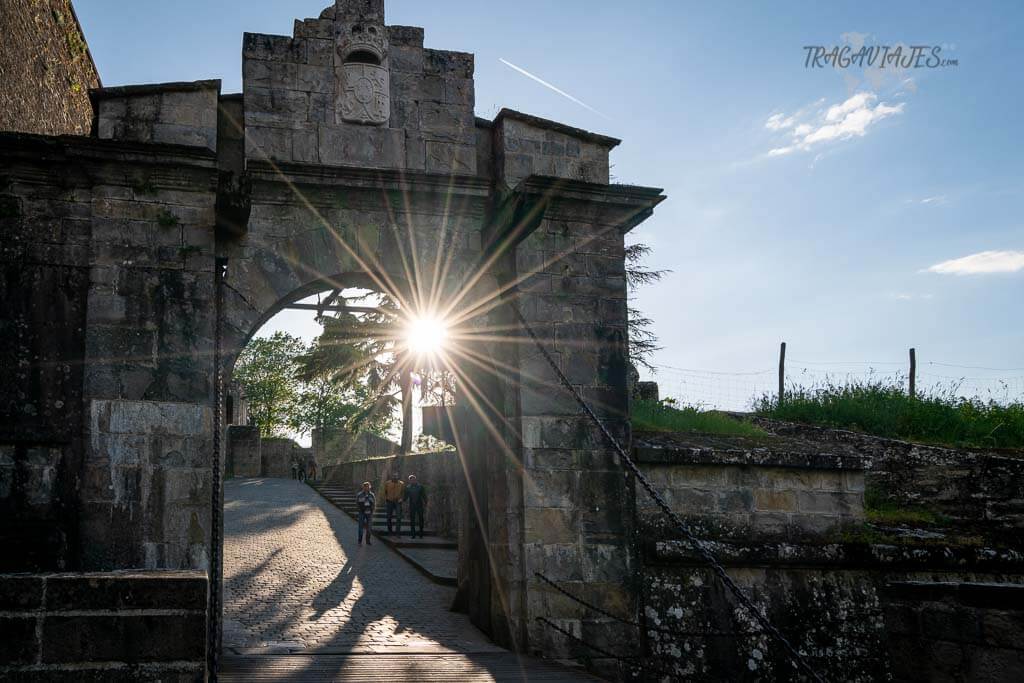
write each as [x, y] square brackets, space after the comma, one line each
[358, 353]
[266, 369]
[643, 342]
[326, 402]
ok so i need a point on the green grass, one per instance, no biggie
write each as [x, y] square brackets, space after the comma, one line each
[884, 409]
[665, 416]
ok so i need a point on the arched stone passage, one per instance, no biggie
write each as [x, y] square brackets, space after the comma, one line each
[293, 184]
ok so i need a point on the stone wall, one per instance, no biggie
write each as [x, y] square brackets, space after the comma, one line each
[278, 454]
[304, 99]
[171, 113]
[955, 631]
[44, 274]
[242, 457]
[529, 145]
[832, 601]
[47, 69]
[969, 487]
[742, 487]
[441, 474]
[332, 446]
[109, 627]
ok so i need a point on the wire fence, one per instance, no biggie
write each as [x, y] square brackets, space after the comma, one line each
[738, 391]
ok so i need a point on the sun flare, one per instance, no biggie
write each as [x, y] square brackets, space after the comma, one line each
[426, 336]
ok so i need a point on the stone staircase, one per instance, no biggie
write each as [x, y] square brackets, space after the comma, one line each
[433, 555]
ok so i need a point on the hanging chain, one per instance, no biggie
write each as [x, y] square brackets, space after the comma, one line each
[697, 544]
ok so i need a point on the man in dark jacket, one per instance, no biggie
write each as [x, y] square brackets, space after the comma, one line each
[416, 496]
[365, 503]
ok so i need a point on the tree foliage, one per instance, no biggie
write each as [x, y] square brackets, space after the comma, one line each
[355, 353]
[266, 369]
[643, 342]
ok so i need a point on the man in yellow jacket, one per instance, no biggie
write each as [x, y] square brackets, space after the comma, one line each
[394, 492]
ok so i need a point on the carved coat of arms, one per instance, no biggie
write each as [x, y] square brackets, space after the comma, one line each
[365, 94]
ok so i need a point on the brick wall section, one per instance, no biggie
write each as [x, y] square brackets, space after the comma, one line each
[955, 631]
[46, 69]
[116, 626]
[745, 488]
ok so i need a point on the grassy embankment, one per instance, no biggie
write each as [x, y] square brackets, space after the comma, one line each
[884, 409]
[662, 416]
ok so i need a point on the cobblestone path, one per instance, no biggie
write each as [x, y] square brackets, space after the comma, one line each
[296, 581]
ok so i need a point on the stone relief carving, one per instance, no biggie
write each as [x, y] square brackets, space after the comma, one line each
[364, 89]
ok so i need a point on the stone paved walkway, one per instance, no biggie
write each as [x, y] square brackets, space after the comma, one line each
[296, 581]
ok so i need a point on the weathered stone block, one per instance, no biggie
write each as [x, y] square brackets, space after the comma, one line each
[550, 525]
[550, 489]
[124, 638]
[125, 591]
[272, 48]
[362, 145]
[404, 36]
[19, 644]
[18, 593]
[775, 501]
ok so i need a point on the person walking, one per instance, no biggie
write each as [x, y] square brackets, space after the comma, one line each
[365, 503]
[394, 493]
[416, 495]
[295, 470]
[312, 470]
[301, 469]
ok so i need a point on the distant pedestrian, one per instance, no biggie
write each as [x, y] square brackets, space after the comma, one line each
[394, 493]
[302, 471]
[416, 495]
[295, 470]
[365, 503]
[312, 470]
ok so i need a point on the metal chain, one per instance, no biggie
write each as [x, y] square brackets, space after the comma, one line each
[606, 613]
[216, 551]
[705, 554]
[632, 661]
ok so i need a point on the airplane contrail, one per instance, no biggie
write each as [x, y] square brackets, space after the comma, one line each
[551, 87]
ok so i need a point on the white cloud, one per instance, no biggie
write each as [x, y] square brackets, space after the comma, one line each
[847, 119]
[908, 296]
[982, 263]
[779, 122]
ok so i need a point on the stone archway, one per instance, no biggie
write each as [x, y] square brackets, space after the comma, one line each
[292, 183]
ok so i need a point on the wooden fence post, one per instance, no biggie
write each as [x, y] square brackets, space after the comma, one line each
[913, 374]
[782, 372]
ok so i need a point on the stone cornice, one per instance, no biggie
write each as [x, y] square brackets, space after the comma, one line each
[579, 133]
[65, 148]
[350, 176]
[662, 448]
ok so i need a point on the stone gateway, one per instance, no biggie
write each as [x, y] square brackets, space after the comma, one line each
[136, 256]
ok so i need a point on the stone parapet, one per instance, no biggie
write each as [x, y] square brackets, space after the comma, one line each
[976, 488]
[170, 113]
[108, 626]
[743, 487]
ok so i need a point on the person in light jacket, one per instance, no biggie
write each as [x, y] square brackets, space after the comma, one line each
[365, 503]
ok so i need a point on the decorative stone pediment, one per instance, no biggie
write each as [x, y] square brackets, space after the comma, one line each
[364, 94]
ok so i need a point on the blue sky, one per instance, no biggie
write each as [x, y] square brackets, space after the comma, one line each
[805, 205]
